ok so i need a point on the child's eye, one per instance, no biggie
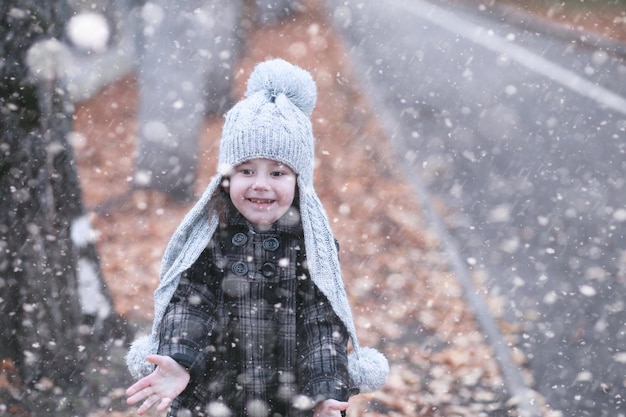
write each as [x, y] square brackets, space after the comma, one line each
[246, 171]
[277, 173]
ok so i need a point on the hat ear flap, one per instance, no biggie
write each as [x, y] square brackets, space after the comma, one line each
[368, 369]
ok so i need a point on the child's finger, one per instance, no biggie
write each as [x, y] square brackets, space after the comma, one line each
[330, 408]
[137, 386]
[337, 405]
[155, 359]
[139, 396]
[145, 381]
[146, 405]
[165, 402]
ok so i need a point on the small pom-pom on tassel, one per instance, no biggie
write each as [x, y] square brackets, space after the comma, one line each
[278, 76]
[368, 369]
[139, 350]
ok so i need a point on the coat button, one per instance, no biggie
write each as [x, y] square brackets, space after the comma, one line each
[240, 268]
[239, 239]
[271, 244]
[268, 269]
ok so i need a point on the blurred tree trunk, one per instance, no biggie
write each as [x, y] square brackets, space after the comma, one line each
[185, 72]
[55, 311]
[187, 54]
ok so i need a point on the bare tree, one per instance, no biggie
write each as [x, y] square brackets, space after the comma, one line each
[189, 48]
[185, 72]
[55, 311]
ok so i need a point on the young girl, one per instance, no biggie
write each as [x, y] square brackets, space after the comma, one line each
[251, 315]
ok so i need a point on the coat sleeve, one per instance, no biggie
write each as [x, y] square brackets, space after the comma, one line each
[322, 364]
[189, 319]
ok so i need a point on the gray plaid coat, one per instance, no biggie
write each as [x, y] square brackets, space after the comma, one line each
[255, 332]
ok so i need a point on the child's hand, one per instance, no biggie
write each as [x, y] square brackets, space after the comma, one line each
[167, 381]
[330, 408]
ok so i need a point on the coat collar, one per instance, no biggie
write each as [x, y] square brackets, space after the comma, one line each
[289, 223]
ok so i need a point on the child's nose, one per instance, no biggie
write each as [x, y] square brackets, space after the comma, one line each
[261, 183]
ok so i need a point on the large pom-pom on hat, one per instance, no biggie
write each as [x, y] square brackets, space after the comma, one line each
[277, 77]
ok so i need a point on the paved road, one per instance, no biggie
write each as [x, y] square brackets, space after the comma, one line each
[523, 136]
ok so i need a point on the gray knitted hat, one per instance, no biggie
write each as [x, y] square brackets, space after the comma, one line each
[271, 122]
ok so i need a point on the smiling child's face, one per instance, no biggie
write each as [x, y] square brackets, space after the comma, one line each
[262, 190]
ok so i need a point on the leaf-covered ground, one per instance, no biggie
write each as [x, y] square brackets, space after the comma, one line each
[604, 19]
[405, 300]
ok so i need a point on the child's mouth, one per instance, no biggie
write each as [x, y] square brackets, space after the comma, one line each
[260, 201]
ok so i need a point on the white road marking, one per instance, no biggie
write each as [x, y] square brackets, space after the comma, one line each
[481, 36]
